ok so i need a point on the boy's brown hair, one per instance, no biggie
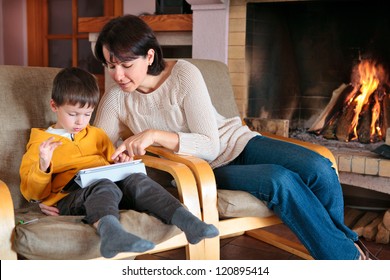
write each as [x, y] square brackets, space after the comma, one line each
[75, 86]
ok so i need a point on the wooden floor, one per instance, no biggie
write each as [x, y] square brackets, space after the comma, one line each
[248, 248]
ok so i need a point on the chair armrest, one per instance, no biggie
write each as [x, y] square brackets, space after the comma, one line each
[7, 220]
[204, 177]
[184, 179]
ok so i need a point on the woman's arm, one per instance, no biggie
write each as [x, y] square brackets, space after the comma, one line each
[136, 145]
[202, 138]
[185, 109]
[184, 119]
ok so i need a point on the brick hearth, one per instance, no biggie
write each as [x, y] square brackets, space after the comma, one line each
[363, 169]
[357, 164]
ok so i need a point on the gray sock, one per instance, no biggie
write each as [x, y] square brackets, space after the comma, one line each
[114, 239]
[194, 229]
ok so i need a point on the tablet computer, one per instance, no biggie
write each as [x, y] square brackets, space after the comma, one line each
[114, 172]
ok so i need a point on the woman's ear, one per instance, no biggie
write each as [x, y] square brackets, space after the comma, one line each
[150, 56]
[53, 106]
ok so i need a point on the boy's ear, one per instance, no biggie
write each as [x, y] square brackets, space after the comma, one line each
[53, 106]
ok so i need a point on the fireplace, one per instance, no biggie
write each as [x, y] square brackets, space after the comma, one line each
[298, 53]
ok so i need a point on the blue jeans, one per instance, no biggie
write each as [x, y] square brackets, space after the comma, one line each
[299, 186]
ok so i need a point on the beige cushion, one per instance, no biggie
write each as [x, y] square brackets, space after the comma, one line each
[67, 237]
[240, 204]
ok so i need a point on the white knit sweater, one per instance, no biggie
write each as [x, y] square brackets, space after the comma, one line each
[181, 104]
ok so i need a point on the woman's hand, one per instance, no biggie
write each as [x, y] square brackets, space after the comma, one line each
[49, 210]
[136, 145]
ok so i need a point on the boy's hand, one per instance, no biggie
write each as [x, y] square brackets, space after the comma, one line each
[49, 210]
[46, 150]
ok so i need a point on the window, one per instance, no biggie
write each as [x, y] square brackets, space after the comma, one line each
[53, 37]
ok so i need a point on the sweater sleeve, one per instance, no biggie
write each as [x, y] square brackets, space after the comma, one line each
[202, 139]
[35, 184]
[107, 115]
[107, 147]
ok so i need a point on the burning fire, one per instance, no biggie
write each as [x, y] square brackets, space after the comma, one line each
[369, 74]
[359, 110]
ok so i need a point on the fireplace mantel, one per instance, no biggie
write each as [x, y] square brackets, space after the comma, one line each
[173, 29]
[159, 23]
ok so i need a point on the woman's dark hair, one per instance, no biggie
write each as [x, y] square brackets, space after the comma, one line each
[127, 38]
[75, 86]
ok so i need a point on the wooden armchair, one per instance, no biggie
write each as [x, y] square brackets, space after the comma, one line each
[25, 95]
[241, 213]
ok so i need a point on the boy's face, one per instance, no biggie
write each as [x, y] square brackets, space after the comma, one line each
[72, 118]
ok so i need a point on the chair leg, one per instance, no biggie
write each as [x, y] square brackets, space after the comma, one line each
[196, 252]
[280, 242]
[212, 248]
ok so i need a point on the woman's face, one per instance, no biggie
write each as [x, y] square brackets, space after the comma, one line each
[129, 75]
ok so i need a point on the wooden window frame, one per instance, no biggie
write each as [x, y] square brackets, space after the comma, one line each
[37, 29]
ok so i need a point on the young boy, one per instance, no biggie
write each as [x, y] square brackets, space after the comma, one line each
[54, 155]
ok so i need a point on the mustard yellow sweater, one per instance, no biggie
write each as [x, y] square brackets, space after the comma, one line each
[90, 148]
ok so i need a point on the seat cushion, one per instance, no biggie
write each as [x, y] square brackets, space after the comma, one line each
[240, 204]
[68, 238]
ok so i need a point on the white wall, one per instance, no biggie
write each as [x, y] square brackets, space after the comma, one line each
[210, 29]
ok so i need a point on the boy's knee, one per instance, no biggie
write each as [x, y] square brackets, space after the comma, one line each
[135, 179]
[105, 185]
[138, 176]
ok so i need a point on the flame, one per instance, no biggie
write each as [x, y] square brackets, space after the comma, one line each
[369, 80]
[376, 109]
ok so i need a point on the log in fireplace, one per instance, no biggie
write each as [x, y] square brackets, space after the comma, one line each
[359, 110]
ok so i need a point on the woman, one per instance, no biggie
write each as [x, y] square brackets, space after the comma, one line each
[166, 103]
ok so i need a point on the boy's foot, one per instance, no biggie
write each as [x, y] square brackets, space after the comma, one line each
[114, 239]
[194, 229]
